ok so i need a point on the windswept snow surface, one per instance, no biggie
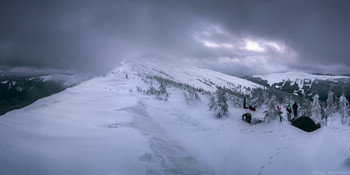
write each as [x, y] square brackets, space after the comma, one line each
[104, 126]
[297, 77]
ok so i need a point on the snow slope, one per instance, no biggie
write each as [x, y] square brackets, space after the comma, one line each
[65, 80]
[299, 78]
[104, 126]
[186, 74]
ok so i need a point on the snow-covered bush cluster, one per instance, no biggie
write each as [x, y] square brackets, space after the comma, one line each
[191, 95]
[161, 93]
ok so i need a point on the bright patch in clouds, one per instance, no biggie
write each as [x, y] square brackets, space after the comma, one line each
[254, 46]
[276, 46]
[217, 45]
[261, 46]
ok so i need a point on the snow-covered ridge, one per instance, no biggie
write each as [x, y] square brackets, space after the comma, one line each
[299, 78]
[104, 126]
[186, 74]
[66, 80]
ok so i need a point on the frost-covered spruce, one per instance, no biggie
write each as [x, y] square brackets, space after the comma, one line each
[191, 95]
[259, 97]
[316, 109]
[331, 105]
[151, 90]
[271, 113]
[305, 108]
[218, 103]
[212, 102]
[287, 101]
[344, 109]
[235, 100]
[162, 93]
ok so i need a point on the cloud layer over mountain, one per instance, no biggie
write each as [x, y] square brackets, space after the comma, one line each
[235, 37]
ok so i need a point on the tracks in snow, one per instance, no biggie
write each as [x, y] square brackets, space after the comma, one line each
[166, 156]
[287, 136]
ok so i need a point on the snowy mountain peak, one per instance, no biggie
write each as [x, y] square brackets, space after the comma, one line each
[205, 79]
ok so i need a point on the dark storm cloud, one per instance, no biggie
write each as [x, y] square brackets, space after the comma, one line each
[96, 35]
[85, 34]
[317, 30]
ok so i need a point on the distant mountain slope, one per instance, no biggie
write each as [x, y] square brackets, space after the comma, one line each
[186, 74]
[304, 84]
[17, 91]
[299, 78]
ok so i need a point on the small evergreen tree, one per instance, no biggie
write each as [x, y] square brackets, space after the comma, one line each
[305, 108]
[218, 103]
[151, 90]
[139, 89]
[212, 102]
[162, 93]
[233, 99]
[191, 95]
[259, 96]
[286, 101]
[331, 105]
[271, 113]
[344, 109]
[323, 113]
[316, 109]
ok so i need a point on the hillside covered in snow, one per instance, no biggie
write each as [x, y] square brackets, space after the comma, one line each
[304, 84]
[299, 78]
[153, 118]
[19, 90]
[202, 78]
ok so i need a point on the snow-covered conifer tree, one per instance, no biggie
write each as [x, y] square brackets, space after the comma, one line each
[331, 105]
[316, 109]
[151, 90]
[212, 100]
[162, 93]
[259, 97]
[271, 113]
[218, 103]
[222, 103]
[305, 108]
[344, 109]
[286, 101]
[191, 95]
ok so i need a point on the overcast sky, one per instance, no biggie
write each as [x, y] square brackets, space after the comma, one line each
[235, 37]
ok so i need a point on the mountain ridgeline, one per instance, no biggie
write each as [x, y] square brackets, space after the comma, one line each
[307, 87]
[18, 91]
[262, 92]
